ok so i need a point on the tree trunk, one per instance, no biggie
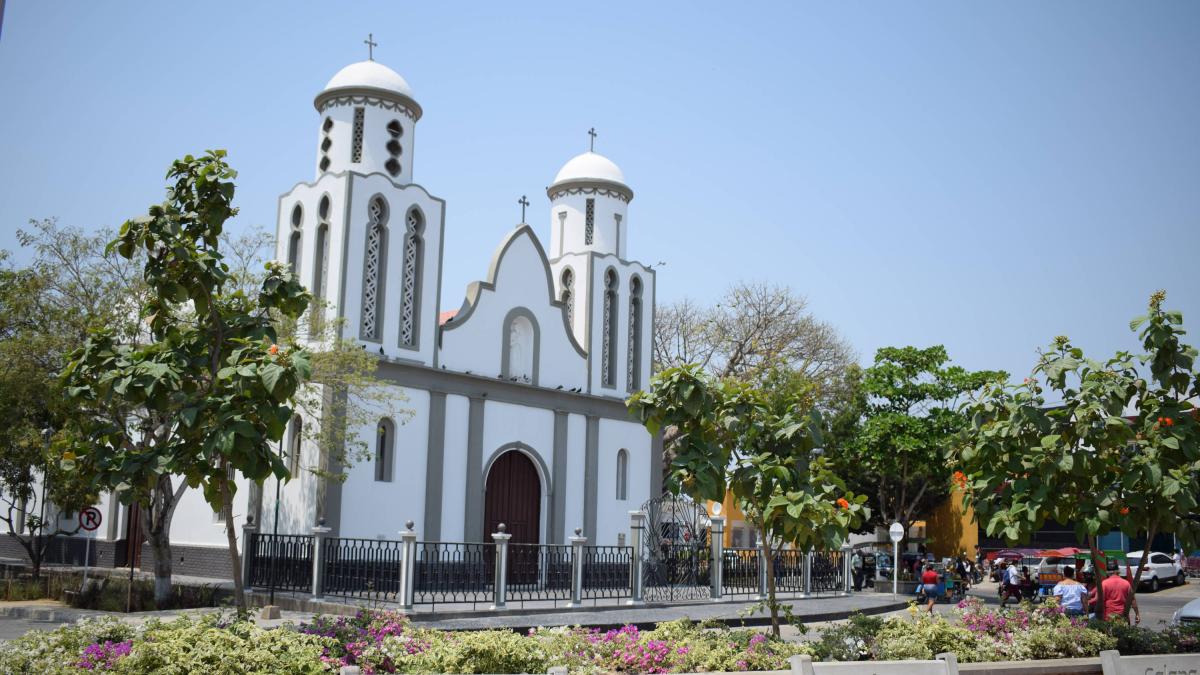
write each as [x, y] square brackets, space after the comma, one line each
[769, 561]
[1137, 576]
[239, 591]
[160, 543]
[1099, 571]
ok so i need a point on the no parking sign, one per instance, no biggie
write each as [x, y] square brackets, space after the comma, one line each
[89, 518]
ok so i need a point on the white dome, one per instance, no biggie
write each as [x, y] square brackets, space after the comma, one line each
[590, 166]
[370, 75]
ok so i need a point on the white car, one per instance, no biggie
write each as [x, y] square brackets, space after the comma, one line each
[1160, 569]
[1188, 614]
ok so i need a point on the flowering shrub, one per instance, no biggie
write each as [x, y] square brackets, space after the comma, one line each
[386, 642]
[103, 655]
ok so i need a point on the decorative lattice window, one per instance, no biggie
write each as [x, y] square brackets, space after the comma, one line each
[357, 142]
[568, 295]
[589, 222]
[622, 474]
[608, 348]
[294, 251]
[411, 278]
[633, 362]
[320, 266]
[385, 456]
[373, 270]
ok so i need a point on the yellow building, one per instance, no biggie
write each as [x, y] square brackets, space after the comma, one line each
[951, 529]
[738, 532]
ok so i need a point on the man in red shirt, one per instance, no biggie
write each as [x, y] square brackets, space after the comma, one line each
[1118, 598]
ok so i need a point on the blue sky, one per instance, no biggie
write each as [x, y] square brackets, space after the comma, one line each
[981, 176]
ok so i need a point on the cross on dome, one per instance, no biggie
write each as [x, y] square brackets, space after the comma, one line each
[371, 45]
[592, 142]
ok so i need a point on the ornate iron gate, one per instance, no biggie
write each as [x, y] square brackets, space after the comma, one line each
[675, 550]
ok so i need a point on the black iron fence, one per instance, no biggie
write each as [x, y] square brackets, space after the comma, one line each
[361, 568]
[454, 573]
[539, 572]
[280, 561]
[466, 573]
[739, 571]
[607, 572]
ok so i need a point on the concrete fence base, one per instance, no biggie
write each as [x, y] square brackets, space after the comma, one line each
[1109, 663]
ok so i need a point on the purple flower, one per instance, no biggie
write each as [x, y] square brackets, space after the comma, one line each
[103, 656]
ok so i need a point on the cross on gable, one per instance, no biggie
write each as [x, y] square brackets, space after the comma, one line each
[523, 202]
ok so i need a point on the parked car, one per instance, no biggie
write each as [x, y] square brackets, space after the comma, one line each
[1188, 614]
[1160, 569]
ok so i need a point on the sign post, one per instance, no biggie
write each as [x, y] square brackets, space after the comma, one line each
[89, 519]
[896, 533]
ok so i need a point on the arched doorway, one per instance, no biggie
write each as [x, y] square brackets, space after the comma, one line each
[513, 496]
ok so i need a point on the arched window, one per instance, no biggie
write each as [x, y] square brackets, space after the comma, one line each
[320, 265]
[633, 361]
[293, 254]
[292, 454]
[608, 350]
[385, 441]
[622, 474]
[374, 267]
[410, 278]
[568, 295]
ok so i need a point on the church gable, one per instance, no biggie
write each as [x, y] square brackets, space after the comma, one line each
[511, 327]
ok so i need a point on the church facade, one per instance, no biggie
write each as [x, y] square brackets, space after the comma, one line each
[503, 405]
[514, 395]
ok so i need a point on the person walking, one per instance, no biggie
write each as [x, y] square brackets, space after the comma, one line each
[1072, 595]
[1119, 598]
[856, 567]
[1010, 583]
[929, 581]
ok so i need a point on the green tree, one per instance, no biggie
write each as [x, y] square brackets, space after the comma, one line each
[1060, 444]
[209, 392]
[46, 309]
[893, 431]
[758, 442]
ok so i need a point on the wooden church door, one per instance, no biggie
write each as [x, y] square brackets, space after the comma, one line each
[514, 497]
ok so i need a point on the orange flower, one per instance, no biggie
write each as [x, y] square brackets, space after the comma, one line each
[843, 503]
[1124, 510]
[273, 350]
[1169, 422]
[960, 478]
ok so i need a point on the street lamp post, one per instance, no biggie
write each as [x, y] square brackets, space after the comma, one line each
[896, 533]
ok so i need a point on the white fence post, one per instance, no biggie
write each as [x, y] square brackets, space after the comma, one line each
[637, 526]
[577, 544]
[248, 530]
[500, 590]
[319, 534]
[951, 660]
[808, 565]
[847, 568]
[762, 574]
[717, 563]
[408, 565]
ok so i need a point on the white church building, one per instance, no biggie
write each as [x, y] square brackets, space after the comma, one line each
[516, 389]
[513, 392]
